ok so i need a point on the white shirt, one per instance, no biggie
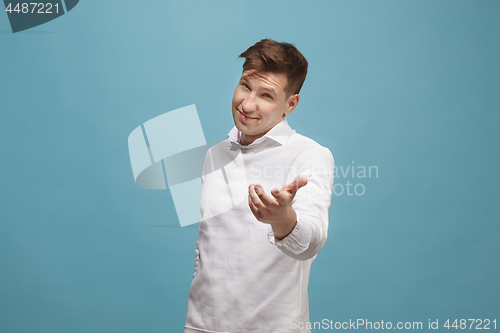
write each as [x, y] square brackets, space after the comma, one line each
[245, 280]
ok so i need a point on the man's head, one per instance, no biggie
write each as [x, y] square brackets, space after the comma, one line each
[268, 90]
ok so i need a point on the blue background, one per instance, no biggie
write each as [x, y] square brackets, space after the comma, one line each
[411, 87]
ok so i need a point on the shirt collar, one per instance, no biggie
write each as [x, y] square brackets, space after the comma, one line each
[278, 133]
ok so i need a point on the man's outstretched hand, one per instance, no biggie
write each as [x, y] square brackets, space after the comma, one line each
[275, 211]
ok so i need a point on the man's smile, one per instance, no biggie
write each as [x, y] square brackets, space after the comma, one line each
[242, 116]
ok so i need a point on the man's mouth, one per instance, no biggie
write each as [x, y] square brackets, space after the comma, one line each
[242, 116]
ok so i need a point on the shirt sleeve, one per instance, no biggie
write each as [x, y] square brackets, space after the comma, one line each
[311, 204]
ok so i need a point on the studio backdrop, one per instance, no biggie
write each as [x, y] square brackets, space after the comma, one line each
[405, 94]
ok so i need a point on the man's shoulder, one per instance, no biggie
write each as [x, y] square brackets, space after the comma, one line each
[304, 141]
[309, 149]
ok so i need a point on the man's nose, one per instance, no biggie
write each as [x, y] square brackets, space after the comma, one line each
[249, 103]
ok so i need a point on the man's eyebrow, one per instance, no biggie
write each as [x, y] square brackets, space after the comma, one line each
[272, 90]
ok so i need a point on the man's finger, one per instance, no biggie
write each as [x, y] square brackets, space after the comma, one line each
[255, 210]
[255, 198]
[283, 196]
[296, 185]
[266, 200]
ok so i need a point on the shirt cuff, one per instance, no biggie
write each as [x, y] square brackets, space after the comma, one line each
[297, 241]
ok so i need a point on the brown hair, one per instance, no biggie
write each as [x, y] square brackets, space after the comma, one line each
[271, 56]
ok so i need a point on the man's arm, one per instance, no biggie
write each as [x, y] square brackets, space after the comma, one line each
[308, 224]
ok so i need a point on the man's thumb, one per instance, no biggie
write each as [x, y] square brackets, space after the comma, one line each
[297, 184]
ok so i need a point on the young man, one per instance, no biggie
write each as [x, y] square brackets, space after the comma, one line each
[264, 203]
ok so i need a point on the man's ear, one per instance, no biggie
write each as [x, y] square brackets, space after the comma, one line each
[292, 102]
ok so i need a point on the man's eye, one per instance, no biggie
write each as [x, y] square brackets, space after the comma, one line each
[245, 85]
[268, 96]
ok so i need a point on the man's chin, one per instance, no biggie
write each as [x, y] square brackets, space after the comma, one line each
[240, 125]
[242, 128]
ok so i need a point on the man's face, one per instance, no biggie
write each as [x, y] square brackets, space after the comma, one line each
[260, 102]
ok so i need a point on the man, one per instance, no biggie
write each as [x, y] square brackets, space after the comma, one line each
[264, 203]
